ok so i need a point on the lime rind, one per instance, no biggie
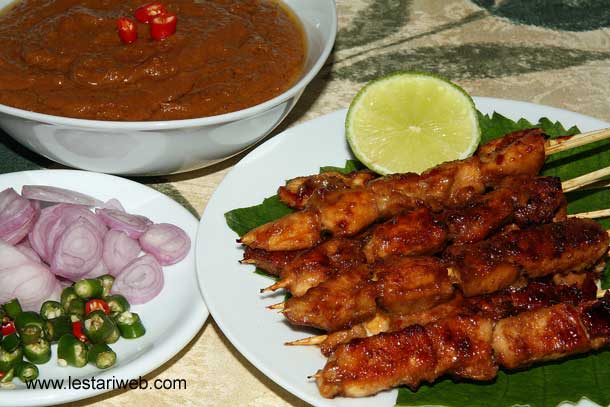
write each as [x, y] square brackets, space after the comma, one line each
[388, 106]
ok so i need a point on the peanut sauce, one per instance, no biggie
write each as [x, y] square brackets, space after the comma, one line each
[64, 57]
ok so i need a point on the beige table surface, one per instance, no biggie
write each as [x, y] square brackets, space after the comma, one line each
[550, 52]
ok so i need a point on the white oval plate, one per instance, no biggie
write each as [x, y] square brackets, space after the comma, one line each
[231, 290]
[171, 319]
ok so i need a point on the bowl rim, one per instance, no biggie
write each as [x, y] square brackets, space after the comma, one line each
[195, 122]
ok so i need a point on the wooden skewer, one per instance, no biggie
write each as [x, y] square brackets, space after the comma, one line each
[559, 144]
[312, 340]
[279, 305]
[275, 286]
[578, 182]
[602, 213]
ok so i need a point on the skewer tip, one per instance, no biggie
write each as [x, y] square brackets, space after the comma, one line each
[279, 305]
[312, 340]
[314, 376]
[275, 286]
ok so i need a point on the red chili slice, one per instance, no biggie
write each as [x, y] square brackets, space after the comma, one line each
[97, 305]
[77, 330]
[8, 328]
[128, 30]
[163, 26]
[147, 12]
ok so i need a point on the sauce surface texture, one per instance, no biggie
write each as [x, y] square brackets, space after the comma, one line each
[64, 57]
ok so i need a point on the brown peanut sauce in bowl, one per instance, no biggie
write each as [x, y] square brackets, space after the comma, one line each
[65, 58]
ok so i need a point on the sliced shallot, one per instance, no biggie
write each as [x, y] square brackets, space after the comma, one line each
[99, 270]
[16, 216]
[113, 203]
[67, 215]
[133, 225]
[166, 242]
[28, 251]
[119, 250]
[22, 278]
[48, 193]
[140, 281]
[39, 234]
[77, 250]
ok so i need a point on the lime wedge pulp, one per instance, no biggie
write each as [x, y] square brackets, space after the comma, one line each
[411, 121]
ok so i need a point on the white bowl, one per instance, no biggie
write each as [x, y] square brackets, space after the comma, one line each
[165, 147]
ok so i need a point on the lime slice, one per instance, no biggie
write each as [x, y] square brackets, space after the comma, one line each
[411, 121]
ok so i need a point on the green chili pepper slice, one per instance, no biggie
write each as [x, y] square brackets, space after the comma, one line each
[102, 356]
[11, 342]
[12, 308]
[27, 318]
[114, 335]
[97, 326]
[117, 304]
[130, 325]
[26, 371]
[57, 327]
[88, 288]
[38, 352]
[8, 360]
[31, 334]
[106, 280]
[77, 307]
[71, 351]
[51, 309]
[67, 295]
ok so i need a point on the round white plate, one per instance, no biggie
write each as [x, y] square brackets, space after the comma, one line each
[231, 290]
[171, 319]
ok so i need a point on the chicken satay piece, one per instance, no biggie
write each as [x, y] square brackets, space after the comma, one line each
[464, 347]
[412, 233]
[522, 200]
[573, 245]
[545, 334]
[319, 264]
[347, 212]
[335, 304]
[273, 263]
[520, 152]
[563, 247]
[416, 354]
[412, 284]
[298, 191]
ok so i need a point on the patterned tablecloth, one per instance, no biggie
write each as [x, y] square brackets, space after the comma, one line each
[553, 52]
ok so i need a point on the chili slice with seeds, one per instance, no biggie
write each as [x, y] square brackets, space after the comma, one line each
[97, 305]
[77, 331]
[161, 27]
[128, 31]
[8, 328]
[147, 12]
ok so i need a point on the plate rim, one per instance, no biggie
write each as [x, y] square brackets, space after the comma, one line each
[488, 105]
[143, 364]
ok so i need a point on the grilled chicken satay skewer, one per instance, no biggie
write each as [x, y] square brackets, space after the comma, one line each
[468, 347]
[347, 212]
[298, 191]
[412, 284]
[522, 200]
